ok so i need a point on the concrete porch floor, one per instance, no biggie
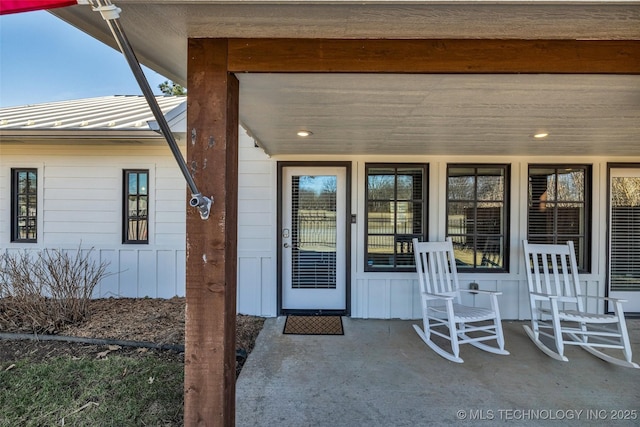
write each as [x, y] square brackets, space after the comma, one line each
[380, 373]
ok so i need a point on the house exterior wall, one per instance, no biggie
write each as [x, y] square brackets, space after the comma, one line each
[396, 295]
[80, 202]
[257, 209]
[80, 191]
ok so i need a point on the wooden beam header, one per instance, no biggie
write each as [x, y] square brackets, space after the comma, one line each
[434, 56]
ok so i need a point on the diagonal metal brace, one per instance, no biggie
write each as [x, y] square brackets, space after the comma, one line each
[110, 13]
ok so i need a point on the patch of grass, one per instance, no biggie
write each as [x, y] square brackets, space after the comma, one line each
[116, 391]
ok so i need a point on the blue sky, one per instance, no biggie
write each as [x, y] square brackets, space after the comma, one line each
[44, 59]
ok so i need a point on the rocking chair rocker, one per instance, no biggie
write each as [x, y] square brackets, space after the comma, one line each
[557, 308]
[441, 308]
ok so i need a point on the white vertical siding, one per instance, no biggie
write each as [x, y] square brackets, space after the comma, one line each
[387, 295]
[402, 299]
[80, 204]
[257, 292]
[80, 201]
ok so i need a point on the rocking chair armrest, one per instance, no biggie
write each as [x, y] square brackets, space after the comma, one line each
[436, 296]
[477, 291]
[603, 298]
[538, 295]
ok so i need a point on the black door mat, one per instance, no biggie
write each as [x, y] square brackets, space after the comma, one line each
[313, 325]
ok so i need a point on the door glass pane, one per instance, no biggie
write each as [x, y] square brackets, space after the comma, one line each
[313, 232]
[625, 234]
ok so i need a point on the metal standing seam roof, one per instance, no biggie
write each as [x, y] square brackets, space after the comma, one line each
[117, 112]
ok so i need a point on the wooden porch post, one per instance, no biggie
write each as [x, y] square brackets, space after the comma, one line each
[212, 155]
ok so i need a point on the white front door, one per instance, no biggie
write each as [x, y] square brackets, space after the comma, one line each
[313, 238]
[624, 237]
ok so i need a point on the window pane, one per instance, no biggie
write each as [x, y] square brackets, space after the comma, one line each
[22, 205]
[489, 218]
[380, 251]
[409, 184]
[461, 183]
[395, 211]
[133, 183]
[142, 183]
[381, 187]
[477, 215]
[570, 219]
[557, 207]
[542, 184]
[464, 252]
[33, 182]
[133, 206]
[33, 203]
[136, 206]
[22, 182]
[133, 229]
[491, 185]
[404, 251]
[460, 218]
[570, 185]
[380, 218]
[24, 213]
[404, 218]
[416, 218]
[142, 206]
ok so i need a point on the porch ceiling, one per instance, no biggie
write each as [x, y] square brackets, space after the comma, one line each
[404, 114]
[442, 114]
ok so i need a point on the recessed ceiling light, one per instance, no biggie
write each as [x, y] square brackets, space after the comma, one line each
[304, 133]
[541, 135]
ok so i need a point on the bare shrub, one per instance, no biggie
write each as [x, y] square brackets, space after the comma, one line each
[43, 291]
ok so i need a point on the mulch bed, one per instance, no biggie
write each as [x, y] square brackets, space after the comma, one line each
[159, 321]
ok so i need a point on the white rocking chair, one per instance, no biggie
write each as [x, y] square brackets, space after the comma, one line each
[440, 295]
[557, 307]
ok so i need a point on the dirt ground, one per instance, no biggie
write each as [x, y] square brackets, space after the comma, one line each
[159, 321]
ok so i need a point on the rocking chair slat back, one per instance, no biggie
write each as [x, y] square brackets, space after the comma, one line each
[437, 275]
[552, 270]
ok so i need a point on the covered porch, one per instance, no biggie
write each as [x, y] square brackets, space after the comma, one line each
[260, 64]
[381, 374]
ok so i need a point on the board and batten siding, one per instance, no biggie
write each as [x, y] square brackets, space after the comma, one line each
[80, 191]
[257, 251]
[396, 295]
[80, 201]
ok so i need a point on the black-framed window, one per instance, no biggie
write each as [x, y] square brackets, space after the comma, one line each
[136, 206]
[559, 207]
[396, 212]
[24, 205]
[478, 216]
